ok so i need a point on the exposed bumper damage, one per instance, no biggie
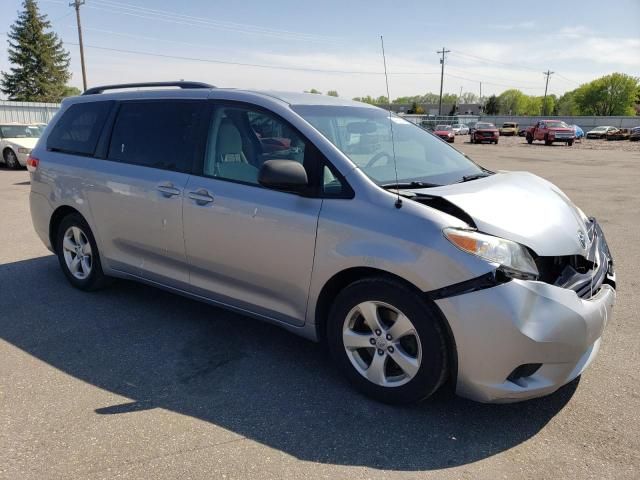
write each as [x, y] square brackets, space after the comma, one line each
[521, 339]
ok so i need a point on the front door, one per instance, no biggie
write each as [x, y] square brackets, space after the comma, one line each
[248, 246]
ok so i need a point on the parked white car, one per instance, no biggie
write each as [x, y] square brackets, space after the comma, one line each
[460, 129]
[16, 142]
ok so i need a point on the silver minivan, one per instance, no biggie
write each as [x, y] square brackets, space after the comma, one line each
[338, 221]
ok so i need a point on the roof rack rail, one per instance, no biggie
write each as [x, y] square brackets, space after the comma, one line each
[181, 84]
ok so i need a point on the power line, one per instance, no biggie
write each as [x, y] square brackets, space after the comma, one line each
[488, 60]
[189, 20]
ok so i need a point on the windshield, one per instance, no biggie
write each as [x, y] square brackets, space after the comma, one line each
[444, 127]
[480, 125]
[364, 135]
[20, 131]
[600, 129]
[557, 125]
[508, 125]
[456, 125]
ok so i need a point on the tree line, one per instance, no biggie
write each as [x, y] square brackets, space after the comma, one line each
[614, 94]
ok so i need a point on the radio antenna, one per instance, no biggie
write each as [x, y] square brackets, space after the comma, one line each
[398, 203]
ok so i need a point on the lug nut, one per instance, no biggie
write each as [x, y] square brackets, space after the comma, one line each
[388, 336]
[378, 332]
[391, 349]
[380, 351]
[372, 341]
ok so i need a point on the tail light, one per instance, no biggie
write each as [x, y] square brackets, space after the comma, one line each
[32, 163]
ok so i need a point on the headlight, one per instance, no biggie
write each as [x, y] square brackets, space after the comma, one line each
[513, 259]
[24, 150]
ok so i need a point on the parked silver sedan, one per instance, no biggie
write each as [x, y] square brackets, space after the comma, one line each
[336, 220]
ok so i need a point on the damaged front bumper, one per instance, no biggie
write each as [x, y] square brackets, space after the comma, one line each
[523, 339]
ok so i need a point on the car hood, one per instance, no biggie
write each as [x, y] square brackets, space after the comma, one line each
[28, 142]
[522, 207]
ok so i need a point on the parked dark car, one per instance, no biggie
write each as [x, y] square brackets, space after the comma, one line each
[635, 134]
[485, 132]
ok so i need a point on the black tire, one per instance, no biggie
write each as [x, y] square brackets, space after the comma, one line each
[96, 278]
[496, 142]
[10, 159]
[570, 143]
[426, 321]
[529, 139]
[547, 142]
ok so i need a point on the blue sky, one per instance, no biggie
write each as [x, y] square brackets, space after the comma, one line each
[501, 44]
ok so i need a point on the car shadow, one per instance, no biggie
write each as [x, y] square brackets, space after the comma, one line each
[164, 351]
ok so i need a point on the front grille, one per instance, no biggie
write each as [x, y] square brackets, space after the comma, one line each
[487, 134]
[586, 274]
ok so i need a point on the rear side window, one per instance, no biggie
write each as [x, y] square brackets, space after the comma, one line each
[156, 134]
[79, 128]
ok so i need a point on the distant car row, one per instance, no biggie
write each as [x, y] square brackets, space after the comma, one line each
[547, 131]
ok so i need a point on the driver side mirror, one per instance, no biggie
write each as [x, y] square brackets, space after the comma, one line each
[285, 175]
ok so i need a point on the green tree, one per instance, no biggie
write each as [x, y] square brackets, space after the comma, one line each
[70, 91]
[613, 94]
[566, 105]
[512, 102]
[313, 90]
[332, 93]
[469, 97]
[492, 107]
[40, 64]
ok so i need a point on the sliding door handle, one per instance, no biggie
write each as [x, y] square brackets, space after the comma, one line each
[168, 190]
[201, 196]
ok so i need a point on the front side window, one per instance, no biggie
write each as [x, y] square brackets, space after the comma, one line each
[240, 140]
[365, 136]
[78, 129]
[156, 134]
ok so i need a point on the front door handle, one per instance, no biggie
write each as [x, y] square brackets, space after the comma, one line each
[201, 196]
[168, 190]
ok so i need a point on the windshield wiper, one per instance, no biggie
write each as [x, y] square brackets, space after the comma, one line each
[404, 185]
[475, 176]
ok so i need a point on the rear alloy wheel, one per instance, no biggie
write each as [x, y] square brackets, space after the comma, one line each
[10, 159]
[529, 139]
[78, 254]
[388, 341]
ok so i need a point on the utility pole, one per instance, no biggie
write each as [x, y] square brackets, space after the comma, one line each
[443, 52]
[548, 73]
[76, 4]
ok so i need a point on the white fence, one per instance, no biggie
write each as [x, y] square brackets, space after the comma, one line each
[27, 112]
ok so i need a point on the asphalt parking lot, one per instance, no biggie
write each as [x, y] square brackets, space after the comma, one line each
[133, 382]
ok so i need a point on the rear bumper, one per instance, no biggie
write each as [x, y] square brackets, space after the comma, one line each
[523, 322]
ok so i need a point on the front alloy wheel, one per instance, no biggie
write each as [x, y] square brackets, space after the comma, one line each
[382, 344]
[388, 340]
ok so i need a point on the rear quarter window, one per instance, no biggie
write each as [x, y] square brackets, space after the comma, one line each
[79, 128]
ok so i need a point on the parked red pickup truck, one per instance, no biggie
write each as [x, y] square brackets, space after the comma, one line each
[551, 131]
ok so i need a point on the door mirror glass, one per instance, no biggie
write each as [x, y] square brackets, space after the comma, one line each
[287, 175]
